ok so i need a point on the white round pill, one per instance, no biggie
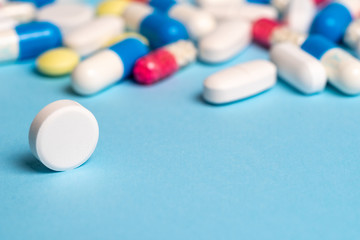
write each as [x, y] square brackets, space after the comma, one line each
[67, 16]
[63, 135]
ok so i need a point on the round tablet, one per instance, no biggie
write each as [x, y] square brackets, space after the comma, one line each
[63, 135]
[57, 62]
[67, 16]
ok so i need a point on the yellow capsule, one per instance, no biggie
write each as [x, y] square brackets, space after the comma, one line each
[112, 7]
[123, 36]
[57, 62]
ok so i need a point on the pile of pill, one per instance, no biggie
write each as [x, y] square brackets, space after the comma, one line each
[310, 42]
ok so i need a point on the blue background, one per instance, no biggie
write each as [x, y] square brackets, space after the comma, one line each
[280, 165]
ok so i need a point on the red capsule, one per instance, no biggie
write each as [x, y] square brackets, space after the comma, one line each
[262, 31]
[155, 66]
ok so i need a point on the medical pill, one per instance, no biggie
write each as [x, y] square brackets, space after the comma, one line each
[164, 61]
[239, 82]
[332, 21]
[108, 66]
[92, 36]
[268, 32]
[8, 23]
[157, 27]
[228, 40]
[28, 40]
[63, 135]
[37, 3]
[197, 21]
[20, 11]
[300, 14]
[342, 69]
[67, 16]
[57, 62]
[298, 68]
[218, 3]
[123, 36]
[247, 11]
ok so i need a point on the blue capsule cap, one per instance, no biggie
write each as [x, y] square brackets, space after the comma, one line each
[332, 21]
[162, 5]
[36, 38]
[129, 51]
[259, 1]
[317, 45]
[161, 30]
[37, 3]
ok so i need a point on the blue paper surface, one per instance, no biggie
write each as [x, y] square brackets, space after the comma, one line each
[280, 165]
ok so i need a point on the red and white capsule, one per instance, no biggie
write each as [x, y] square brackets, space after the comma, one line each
[268, 32]
[164, 62]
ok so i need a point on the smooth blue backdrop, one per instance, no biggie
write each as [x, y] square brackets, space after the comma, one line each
[169, 166]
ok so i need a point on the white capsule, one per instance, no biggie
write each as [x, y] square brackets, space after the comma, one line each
[97, 72]
[94, 35]
[352, 36]
[300, 15]
[247, 11]
[298, 68]
[228, 40]
[352, 5]
[197, 21]
[66, 16]
[239, 82]
[20, 11]
[343, 70]
[63, 135]
[218, 3]
[135, 13]
[7, 23]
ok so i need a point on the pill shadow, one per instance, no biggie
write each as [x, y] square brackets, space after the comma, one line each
[47, 77]
[29, 163]
[200, 99]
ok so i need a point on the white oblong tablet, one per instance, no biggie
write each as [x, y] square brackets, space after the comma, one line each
[300, 14]
[247, 11]
[298, 68]
[239, 82]
[63, 135]
[67, 16]
[94, 35]
[228, 40]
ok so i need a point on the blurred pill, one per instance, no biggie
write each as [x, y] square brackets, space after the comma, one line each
[57, 62]
[227, 41]
[239, 82]
[298, 68]
[164, 62]
[19, 11]
[92, 36]
[157, 27]
[342, 69]
[28, 40]
[247, 11]
[66, 16]
[197, 21]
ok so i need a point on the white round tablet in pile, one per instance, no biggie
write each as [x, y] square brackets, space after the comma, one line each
[63, 135]
[67, 16]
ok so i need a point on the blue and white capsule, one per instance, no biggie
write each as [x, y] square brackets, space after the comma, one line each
[197, 21]
[28, 41]
[333, 20]
[105, 68]
[37, 3]
[157, 27]
[342, 69]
